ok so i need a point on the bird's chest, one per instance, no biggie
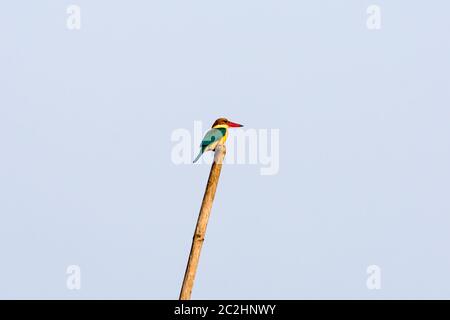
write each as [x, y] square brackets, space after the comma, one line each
[224, 138]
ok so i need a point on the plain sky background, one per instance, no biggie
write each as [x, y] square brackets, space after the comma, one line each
[86, 176]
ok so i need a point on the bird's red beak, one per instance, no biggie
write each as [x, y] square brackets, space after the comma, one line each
[234, 125]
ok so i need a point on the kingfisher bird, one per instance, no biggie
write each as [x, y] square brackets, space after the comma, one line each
[216, 135]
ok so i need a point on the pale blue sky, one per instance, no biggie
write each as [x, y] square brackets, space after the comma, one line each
[85, 170]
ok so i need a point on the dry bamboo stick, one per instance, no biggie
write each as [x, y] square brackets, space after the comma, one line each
[202, 222]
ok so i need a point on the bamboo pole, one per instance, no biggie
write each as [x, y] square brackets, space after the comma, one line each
[202, 222]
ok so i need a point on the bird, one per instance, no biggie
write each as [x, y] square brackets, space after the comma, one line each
[216, 135]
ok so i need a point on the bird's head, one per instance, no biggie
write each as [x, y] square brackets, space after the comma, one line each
[224, 122]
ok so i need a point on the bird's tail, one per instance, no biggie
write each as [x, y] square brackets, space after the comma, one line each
[198, 157]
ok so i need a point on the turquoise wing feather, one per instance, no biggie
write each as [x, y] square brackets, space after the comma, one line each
[212, 136]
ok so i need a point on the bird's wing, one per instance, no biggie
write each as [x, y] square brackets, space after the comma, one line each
[213, 135]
